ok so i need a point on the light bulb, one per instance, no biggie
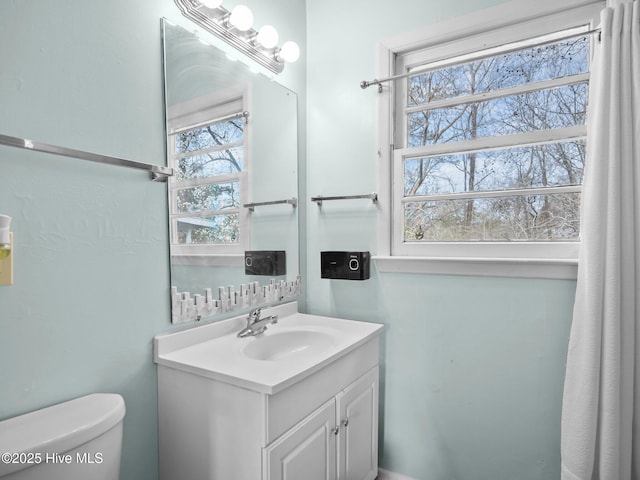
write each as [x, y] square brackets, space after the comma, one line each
[211, 3]
[267, 36]
[241, 18]
[290, 52]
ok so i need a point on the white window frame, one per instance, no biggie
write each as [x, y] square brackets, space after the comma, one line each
[506, 23]
[202, 109]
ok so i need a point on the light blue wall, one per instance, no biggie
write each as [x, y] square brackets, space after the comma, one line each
[472, 368]
[91, 255]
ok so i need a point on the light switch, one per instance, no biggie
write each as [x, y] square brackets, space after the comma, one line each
[6, 264]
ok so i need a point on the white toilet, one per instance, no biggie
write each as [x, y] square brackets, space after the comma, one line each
[74, 440]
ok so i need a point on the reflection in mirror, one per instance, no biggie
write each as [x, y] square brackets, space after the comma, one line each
[232, 139]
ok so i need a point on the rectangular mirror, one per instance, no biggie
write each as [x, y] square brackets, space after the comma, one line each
[232, 140]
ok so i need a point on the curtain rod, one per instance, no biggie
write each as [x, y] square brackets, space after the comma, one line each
[158, 173]
[464, 58]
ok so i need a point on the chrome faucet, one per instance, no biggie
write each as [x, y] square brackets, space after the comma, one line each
[255, 324]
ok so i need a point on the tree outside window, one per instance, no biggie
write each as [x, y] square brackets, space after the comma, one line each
[524, 189]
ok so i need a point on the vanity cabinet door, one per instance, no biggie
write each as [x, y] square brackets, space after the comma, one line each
[357, 408]
[306, 451]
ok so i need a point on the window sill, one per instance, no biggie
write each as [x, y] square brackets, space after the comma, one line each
[481, 266]
[209, 260]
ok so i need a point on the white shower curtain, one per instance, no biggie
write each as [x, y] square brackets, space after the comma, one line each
[601, 404]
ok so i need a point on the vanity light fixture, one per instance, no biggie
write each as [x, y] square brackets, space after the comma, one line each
[236, 28]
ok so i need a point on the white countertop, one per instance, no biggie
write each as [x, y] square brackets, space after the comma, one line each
[214, 351]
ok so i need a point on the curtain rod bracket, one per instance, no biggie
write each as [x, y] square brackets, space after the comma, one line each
[365, 84]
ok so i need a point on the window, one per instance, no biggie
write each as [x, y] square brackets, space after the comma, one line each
[206, 193]
[489, 143]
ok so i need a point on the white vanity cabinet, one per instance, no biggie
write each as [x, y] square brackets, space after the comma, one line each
[338, 440]
[308, 451]
[317, 422]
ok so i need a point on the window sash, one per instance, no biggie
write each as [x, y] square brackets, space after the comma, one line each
[537, 137]
[415, 64]
[519, 249]
[522, 249]
[495, 94]
[204, 151]
[235, 107]
[436, 53]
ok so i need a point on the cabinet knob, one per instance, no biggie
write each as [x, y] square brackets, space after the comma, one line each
[345, 422]
[336, 430]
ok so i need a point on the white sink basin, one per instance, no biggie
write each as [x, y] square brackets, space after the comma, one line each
[286, 345]
[295, 347]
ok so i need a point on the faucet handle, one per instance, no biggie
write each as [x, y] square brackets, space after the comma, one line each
[254, 314]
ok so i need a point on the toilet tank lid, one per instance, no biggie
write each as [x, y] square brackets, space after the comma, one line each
[62, 427]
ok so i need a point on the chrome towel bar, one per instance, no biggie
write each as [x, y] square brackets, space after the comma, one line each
[291, 201]
[319, 199]
[158, 173]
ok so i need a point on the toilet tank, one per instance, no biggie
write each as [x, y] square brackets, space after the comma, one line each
[75, 440]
